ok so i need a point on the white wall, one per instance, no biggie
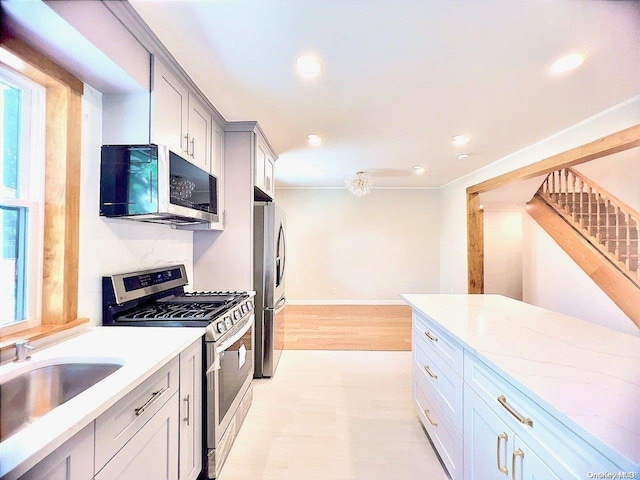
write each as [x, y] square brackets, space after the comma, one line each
[343, 249]
[109, 246]
[503, 251]
[453, 246]
[552, 280]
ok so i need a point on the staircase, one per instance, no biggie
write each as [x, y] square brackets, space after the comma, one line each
[605, 222]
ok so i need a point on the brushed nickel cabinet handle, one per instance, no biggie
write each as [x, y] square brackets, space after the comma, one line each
[186, 401]
[521, 418]
[516, 454]
[501, 468]
[186, 137]
[431, 336]
[426, 412]
[154, 396]
[431, 374]
[193, 147]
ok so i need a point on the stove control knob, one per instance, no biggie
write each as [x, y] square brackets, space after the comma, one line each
[228, 321]
[244, 308]
[222, 327]
[250, 305]
[237, 315]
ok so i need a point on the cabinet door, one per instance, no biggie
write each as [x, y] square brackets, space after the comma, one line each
[259, 166]
[488, 442]
[170, 102]
[191, 412]
[527, 465]
[73, 460]
[199, 135]
[268, 176]
[153, 451]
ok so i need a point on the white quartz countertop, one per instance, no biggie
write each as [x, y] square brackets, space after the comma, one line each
[587, 373]
[142, 351]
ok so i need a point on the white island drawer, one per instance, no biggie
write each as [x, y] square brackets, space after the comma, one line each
[119, 424]
[426, 331]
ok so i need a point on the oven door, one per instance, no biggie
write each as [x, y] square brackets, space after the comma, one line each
[229, 375]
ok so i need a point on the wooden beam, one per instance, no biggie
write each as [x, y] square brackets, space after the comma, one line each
[624, 293]
[475, 244]
[31, 63]
[608, 145]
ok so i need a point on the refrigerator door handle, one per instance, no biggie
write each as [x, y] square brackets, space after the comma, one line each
[278, 306]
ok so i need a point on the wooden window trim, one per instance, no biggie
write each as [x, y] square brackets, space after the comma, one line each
[616, 142]
[62, 186]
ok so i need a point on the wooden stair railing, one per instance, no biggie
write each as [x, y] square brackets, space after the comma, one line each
[606, 222]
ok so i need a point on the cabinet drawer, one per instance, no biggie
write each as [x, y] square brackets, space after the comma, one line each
[426, 331]
[444, 385]
[116, 426]
[446, 440]
[552, 440]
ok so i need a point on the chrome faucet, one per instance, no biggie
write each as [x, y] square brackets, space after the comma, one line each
[23, 351]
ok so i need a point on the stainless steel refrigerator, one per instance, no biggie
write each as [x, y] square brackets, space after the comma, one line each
[269, 262]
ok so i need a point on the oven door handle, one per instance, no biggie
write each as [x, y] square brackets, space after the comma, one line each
[215, 365]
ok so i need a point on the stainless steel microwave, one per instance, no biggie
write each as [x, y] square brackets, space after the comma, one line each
[150, 183]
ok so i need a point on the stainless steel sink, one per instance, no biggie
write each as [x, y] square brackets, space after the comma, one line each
[37, 391]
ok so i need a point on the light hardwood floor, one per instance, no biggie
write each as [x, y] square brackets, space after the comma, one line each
[347, 327]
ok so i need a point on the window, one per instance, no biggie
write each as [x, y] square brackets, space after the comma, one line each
[21, 200]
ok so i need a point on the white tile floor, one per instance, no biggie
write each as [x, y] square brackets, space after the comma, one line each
[332, 415]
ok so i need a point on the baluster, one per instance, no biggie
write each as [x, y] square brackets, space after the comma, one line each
[607, 234]
[566, 190]
[581, 203]
[589, 217]
[573, 197]
[628, 245]
[617, 225]
[598, 218]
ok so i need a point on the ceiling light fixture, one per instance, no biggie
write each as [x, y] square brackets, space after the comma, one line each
[308, 66]
[460, 140]
[360, 185]
[419, 169]
[567, 63]
[463, 156]
[314, 140]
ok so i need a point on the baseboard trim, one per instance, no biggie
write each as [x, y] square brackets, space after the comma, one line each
[345, 302]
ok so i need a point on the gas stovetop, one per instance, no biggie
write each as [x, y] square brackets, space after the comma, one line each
[156, 298]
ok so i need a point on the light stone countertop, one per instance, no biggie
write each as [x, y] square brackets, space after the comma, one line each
[144, 350]
[588, 373]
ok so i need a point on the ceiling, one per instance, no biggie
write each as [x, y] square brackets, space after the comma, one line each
[400, 78]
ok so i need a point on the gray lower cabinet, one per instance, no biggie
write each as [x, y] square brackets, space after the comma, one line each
[73, 460]
[153, 451]
[153, 432]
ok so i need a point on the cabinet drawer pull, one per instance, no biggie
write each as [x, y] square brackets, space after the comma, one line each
[154, 396]
[521, 418]
[431, 374]
[426, 412]
[193, 147]
[186, 401]
[516, 454]
[502, 468]
[186, 137]
[431, 336]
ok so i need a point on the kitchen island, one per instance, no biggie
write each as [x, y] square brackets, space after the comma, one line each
[142, 352]
[543, 393]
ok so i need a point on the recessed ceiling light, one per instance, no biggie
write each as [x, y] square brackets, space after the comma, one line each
[463, 156]
[419, 169]
[460, 140]
[567, 63]
[314, 140]
[308, 66]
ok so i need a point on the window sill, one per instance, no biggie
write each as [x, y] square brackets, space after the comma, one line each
[42, 331]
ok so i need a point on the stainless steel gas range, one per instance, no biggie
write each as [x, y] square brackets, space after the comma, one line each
[157, 298]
